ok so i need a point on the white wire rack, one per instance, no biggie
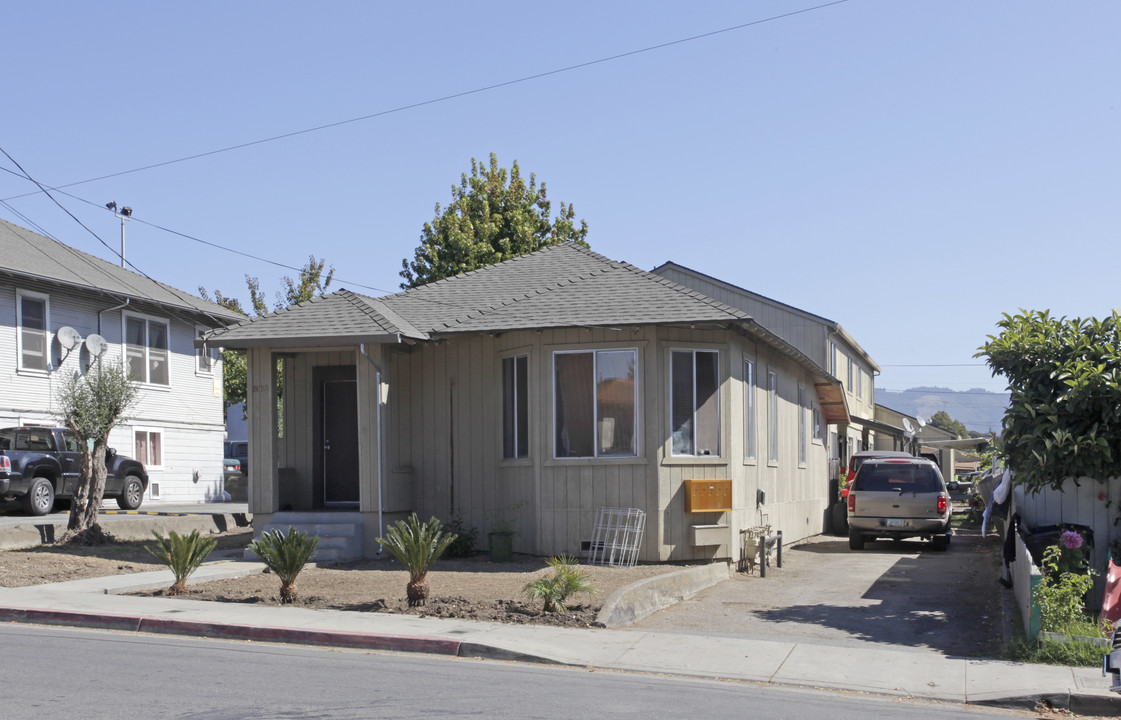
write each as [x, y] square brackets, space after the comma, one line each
[617, 537]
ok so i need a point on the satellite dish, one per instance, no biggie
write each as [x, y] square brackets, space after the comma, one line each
[922, 423]
[908, 426]
[68, 337]
[96, 345]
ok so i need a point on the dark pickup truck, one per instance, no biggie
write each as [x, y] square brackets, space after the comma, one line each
[39, 464]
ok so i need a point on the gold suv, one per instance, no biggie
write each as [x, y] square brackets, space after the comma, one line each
[899, 498]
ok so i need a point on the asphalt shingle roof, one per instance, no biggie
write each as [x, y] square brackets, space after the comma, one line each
[560, 286]
[28, 254]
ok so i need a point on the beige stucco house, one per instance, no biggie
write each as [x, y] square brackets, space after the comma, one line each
[535, 391]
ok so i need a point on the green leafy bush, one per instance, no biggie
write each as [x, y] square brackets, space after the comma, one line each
[183, 554]
[417, 546]
[464, 543]
[285, 554]
[565, 581]
[1060, 593]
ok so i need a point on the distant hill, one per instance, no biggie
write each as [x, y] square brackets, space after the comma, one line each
[980, 410]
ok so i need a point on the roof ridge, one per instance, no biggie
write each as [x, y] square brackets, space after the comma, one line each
[540, 290]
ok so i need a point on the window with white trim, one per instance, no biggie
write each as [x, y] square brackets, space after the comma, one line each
[850, 385]
[816, 420]
[749, 409]
[695, 402]
[772, 417]
[206, 358]
[149, 447]
[515, 407]
[33, 319]
[833, 359]
[860, 382]
[803, 411]
[146, 349]
[595, 403]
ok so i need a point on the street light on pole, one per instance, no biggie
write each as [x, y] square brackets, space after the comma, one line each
[125, 213]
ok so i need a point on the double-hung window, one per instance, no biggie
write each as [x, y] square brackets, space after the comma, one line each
[772, 417]
[146, 349]
[695, 402]
[149, 447]
[595, 403]
[749, 409]
[34, 339]
[515, 407]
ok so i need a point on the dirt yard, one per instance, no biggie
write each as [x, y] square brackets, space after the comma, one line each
[473, 589]
[461, 588]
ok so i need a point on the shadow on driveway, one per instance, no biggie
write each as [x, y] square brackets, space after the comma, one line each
[901, 594]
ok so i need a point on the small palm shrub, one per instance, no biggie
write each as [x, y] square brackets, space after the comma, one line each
[183, 554]
[565, 581]
[417, 546]
[285, 554]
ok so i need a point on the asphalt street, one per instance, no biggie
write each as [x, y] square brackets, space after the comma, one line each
[103, 674]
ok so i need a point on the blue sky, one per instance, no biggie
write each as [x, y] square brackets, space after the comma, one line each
[909, 169]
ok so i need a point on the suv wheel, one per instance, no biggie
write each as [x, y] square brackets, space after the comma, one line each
[132, 494]
[856, 540]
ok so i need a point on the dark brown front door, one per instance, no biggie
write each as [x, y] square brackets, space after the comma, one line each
[340, 442]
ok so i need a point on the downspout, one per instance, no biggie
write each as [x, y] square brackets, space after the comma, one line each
[115, 307]
[381, 459]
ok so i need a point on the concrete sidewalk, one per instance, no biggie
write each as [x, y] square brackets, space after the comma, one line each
[917, 673]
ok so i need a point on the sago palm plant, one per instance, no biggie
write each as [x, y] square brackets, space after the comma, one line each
[183, 554]
[565, 581]
[417, 546]
[285, 554]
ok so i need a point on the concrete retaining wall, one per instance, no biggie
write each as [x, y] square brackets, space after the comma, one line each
[637, 600]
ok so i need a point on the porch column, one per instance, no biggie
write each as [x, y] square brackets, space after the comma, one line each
[261, 408]
[370, 435]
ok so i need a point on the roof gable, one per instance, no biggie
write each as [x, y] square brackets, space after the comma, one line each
[25, 253]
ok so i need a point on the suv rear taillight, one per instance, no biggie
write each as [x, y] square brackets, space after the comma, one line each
[5, 464]
[852, 501]
[942, 502]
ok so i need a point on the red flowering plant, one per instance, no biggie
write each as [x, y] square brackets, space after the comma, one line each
[1074, 553]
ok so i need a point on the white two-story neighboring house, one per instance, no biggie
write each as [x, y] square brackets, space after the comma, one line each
[61, 309]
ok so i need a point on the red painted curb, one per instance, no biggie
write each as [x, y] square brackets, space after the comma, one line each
[336, 638]
[165, 626]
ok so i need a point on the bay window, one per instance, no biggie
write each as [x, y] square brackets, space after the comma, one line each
[695, 402]
[595, 403]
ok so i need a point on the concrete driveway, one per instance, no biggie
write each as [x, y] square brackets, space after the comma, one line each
[903, 595]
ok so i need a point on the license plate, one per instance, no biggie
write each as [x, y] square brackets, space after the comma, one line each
[896, 523]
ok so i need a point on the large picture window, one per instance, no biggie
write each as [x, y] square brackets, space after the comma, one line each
[515, 407]
[695, 402]
[595, 403]
[749, 409]
[34, 318]
[146, 344]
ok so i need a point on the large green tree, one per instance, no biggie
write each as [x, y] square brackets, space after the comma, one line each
[314, 279]
[942, 420]
[91, 405]
[494, 215]
[1065, 381]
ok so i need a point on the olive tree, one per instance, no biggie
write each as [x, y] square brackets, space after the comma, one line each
[1064, 420]
[91, 405]
[494, 215]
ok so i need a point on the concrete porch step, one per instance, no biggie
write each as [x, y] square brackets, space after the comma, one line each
[340, 534]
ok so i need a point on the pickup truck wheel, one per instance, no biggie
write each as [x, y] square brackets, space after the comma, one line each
[856, 540]
[40, 496]
[132, 494]
[940, 543]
